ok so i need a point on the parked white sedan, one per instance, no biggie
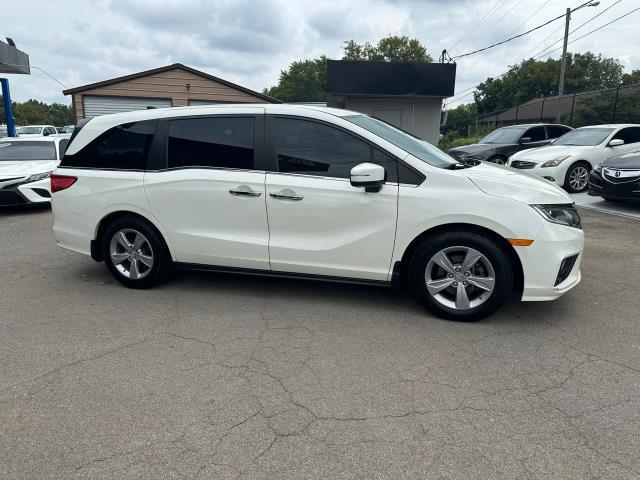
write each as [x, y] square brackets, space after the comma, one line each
[25, 166]
[569, 159]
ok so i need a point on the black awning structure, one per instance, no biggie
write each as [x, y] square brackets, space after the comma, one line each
[390, 79]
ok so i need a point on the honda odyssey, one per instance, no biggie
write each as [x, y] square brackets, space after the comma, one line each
[301, 191]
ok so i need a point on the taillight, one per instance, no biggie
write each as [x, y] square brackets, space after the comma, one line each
[61, 182]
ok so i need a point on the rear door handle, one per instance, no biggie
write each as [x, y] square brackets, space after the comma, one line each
[286, 194]
[244, 191]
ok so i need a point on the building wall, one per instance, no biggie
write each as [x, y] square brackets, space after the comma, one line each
[171, 84]
[420, 116]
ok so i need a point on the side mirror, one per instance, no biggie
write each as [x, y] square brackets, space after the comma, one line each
[367, 175]
[616, 142]
[525, 140]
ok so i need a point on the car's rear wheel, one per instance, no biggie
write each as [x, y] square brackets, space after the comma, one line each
[577, 177]
[461, 276]
[134, 253]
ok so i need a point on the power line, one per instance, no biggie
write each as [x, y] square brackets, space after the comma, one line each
[497, 4]
[577, 28]
[516, 36]
[42, 70]
[455, 99]
[594, 30]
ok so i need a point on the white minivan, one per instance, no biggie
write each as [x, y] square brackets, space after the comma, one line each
[312, 192]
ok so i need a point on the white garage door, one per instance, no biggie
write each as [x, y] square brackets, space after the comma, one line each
[96, 106]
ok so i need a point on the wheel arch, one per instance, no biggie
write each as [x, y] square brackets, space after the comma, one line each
[410, 250]
[96, 250]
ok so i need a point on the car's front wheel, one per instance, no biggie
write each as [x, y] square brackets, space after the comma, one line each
[134, 253]
[461, 276]
[577, 177]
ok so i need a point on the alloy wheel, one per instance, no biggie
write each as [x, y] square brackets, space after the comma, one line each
[460, 278]
[579, 178]
[131, 253]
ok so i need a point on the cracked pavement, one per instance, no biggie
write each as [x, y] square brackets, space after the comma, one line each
[231, 377]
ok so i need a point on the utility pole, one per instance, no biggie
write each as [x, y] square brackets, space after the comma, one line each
[563, 66]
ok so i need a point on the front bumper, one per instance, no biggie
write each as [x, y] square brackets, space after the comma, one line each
[541, 262]
[600, 187]
[38, 192]
[553, 174]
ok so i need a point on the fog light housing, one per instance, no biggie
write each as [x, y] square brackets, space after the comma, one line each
[551, 179]
[565, 268]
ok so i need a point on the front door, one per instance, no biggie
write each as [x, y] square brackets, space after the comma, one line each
[211, 197]
[318, 222]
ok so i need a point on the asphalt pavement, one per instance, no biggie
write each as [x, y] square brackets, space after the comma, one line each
[221, 376]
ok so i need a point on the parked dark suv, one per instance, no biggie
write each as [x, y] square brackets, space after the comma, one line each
[503, 142]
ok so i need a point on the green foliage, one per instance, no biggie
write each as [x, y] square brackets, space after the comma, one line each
[389, 49]
[451, 140]
[632, 78]
[33, 112]
[305, 80]
[599, 109]
[535, 78]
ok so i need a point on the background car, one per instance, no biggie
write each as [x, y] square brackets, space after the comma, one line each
[36, 130]
[568, 160]
[504, 142]
[25, 165]
[617, 178]
[67, 129]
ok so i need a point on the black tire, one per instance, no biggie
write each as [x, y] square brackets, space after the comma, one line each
[496, 256]
[161, 265]
[570, 171]
[498, 160]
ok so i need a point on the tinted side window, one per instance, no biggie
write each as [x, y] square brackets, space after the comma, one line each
[222, 142]
[629, 135]
[312, 148]
[556, 131]
[536, 134]
[124, 147]
[62, 146]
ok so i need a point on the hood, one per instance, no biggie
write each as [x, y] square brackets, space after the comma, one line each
[20, 135]
[630, 160]
[507, 182]
[543, 154]
[13, 168]
[475, 147]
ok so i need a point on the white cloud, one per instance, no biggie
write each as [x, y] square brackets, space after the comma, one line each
[249, 42]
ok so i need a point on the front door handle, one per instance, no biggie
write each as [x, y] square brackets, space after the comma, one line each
[244, 191]
[286, 194]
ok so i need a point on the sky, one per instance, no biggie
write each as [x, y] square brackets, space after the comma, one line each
[249, 42]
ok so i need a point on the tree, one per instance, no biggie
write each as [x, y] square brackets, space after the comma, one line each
[389, 49]
[535, 78]
[632, 78]
[34, 112]
[305, 80]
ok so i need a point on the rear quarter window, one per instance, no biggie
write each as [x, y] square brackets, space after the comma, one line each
[124, 147]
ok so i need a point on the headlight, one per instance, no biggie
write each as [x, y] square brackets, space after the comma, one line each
[38, 176]
[561, 214]
[555, 162]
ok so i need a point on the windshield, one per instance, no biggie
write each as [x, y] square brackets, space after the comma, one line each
[504, 135]
[410, 144]
[29, 130]
[584, 136]
[27, 151]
